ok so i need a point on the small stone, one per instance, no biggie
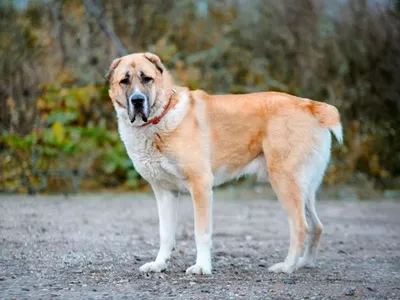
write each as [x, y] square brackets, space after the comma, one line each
[205, 290]
[370, 288]
[192, 283]
[342, 251]
[94, 290]
[2, 278]
[25, 289]
[289, 281]
[262, 265]
[351, 292]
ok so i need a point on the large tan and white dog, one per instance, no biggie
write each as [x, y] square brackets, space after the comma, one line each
[188, 141]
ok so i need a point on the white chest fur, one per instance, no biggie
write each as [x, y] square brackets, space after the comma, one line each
[154, 166]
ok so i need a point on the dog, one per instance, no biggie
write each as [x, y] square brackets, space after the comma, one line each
[189, 141]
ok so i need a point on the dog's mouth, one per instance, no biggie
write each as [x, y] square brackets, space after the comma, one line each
[138, 106]
[138, 112]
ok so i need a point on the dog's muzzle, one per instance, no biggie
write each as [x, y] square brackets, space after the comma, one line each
[138, 105]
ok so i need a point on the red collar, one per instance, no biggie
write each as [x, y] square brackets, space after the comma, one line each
[156, 120]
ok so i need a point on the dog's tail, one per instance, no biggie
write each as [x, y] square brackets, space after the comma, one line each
[328, 117]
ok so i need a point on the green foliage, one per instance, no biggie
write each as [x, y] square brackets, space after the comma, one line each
[343, 52]
[72, 137]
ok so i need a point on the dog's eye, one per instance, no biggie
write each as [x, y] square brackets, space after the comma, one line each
[147, 79]
[124, 81]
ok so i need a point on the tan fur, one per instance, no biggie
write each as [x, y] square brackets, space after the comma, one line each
[227, 132]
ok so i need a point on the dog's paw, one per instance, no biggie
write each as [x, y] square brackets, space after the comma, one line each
[305, 263]
[281, 268]
[154, 266]
[199, 270]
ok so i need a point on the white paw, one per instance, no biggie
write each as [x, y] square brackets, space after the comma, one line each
[154, 266]
[199, 270]
[305, 263]
[281, 268]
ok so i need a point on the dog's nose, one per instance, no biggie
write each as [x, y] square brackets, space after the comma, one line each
[137, 99]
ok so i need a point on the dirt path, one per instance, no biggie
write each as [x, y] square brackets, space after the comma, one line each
[90, 247]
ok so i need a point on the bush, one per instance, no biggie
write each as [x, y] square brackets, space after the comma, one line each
[57, 116]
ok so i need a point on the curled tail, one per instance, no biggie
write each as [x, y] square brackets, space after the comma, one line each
[328, 117]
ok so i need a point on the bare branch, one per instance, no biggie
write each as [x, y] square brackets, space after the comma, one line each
[96, 12]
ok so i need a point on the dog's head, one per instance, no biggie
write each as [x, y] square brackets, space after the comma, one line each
[138, 85]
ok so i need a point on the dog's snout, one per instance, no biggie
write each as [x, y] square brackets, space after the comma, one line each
[137, 99]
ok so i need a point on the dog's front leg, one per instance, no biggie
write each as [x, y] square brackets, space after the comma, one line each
[201, 192]
[167, 203]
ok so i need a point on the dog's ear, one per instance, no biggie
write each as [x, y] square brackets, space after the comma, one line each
[113, 65]
[155, 60]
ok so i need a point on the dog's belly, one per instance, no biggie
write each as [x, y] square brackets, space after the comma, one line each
[257, 166]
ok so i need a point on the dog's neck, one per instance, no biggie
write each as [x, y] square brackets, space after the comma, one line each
[155, 120]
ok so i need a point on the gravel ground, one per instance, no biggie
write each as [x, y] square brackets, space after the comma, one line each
[91, 246]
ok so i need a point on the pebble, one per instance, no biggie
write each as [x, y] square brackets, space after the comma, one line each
[352, 292]
[192, 283]
[25, 289]
[289, 281]
[205, 290]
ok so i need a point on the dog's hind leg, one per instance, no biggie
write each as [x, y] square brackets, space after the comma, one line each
[315, 231]
[289, 141]
[311, 176]
[290, 195]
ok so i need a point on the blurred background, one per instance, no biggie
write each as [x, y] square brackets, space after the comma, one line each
[58, 127]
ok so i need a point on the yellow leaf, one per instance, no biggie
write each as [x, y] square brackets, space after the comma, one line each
[58, 131]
